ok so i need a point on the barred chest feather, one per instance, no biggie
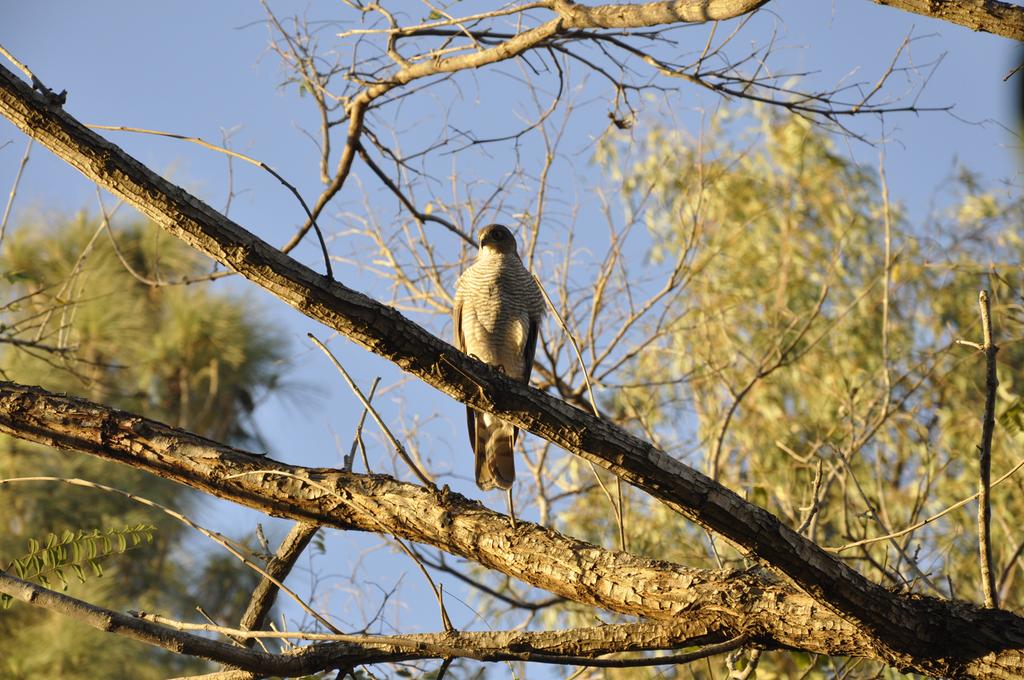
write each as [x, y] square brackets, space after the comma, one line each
[499, 300]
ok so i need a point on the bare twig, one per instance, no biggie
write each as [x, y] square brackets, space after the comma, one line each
[105, 223]
[416, 212]
[438, 591]
[815, 506]
[442, 672]
[14, 188]
[356, 113]
[929, 520]
[887, 280]
[399, 447]
[440, 564]
[14, 60]
[234, 154]
[357, 438]
[985, 455]
[616, 506]
[51, 96]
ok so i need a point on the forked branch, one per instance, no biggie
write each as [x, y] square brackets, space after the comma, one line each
[384, 331]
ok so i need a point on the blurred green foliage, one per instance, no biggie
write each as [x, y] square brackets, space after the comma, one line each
[75, 319]
[815, 348]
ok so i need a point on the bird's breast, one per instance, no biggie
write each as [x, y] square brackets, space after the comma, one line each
[495, 315]
[497, 337]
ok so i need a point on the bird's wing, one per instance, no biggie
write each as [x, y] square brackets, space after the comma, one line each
[530, 349]
[460, 343]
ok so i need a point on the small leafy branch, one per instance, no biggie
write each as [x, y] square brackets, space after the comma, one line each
[75, 551]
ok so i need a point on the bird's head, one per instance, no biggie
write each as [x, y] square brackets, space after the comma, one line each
[497, 238]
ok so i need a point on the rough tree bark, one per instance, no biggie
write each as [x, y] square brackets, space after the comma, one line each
[698, 604]
[990, 16]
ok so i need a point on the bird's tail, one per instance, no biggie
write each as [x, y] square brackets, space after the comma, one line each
[493, 445]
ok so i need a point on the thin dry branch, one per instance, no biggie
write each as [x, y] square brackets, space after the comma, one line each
[248, 159]
[555, 647]
[985, 454]
[398, 446]
[50, 96]
[357, 439]
[14, 188]
[418, 214]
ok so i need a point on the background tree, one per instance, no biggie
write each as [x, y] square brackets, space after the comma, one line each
[818, 329]
[85, 315]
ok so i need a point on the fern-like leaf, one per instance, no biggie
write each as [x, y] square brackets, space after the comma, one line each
[75, 551]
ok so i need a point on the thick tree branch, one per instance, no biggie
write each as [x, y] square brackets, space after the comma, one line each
[897, 623]
[578, 15]
[991, 16]
[573, 569]
[572, 646]
[728, 604]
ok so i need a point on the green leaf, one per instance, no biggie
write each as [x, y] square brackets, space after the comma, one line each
[1012, 419]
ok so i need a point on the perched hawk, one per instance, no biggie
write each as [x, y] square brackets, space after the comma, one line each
[498, 308]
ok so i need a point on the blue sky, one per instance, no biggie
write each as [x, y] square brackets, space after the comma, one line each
[197, 68]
